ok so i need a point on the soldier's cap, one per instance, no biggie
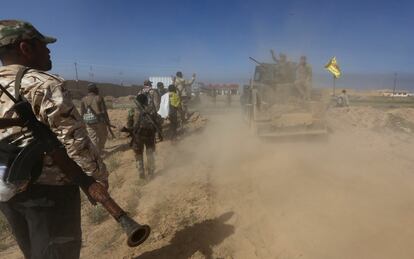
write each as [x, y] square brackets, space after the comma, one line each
[147, 82]
[12, 31]
[92, 87]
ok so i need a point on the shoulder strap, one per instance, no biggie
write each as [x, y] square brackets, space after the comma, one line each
[18, 81]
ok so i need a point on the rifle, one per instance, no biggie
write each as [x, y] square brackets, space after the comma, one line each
[106, 120]
[45, 141]
[109, 127]
[159, 131]
[7, 123]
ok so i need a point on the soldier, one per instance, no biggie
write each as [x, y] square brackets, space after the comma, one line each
[152, 95]
[95, 115]
[174, 103]
[342, 100]
[184, 91]
[142, 122]
[284, 69]
[45, 216]
[303, 81]
[161, 88]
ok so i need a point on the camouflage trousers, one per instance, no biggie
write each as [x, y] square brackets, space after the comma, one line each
[98, 133]
[147, 142]
[184, 108]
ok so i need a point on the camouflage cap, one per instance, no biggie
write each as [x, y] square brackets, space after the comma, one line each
[12, 31]
[147, 83]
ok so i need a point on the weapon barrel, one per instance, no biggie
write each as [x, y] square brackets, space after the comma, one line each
[255, 61]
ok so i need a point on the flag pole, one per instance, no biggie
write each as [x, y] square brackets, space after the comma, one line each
[334, 84]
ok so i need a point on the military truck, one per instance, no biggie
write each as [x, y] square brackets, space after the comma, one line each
[276, 105]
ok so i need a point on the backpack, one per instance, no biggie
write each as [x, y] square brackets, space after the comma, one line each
[16, 156]
[90, 116]
[146, 120]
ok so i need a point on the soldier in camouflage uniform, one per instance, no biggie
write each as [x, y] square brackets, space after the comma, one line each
[184, 91]
[152, 94]
[95, 115]
[142, 123]
[45, 217]
[303, 82]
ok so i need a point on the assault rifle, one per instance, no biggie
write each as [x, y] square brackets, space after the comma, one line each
[46, 142]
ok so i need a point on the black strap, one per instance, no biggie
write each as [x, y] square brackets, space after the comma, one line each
[18, 81]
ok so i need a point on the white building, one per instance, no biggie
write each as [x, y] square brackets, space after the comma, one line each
[166, 80]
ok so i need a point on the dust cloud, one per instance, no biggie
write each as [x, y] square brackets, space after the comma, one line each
[347, 196]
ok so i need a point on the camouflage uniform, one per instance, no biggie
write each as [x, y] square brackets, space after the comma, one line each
[142, 138]
[53, 106]
[153, 95]
[45, 218]
[97, 130]
[303, 80]
[184, 91]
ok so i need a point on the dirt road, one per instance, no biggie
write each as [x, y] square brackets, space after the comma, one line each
[223, 193]
[348, 197]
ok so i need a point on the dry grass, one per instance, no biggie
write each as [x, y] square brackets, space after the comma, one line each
[113, 162]
[97, 214]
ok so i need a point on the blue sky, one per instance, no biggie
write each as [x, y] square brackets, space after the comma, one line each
[128, 40]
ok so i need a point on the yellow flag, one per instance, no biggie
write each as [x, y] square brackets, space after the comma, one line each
[333, 67]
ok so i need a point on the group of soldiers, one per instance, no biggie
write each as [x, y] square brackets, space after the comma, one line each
[44, 214]
[298, 73]
[144, 124]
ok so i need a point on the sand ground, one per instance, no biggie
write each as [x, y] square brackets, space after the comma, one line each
[223, 193]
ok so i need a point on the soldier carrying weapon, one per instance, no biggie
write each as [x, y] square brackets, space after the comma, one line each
[143, 124]
[95, 114]
[45, 153]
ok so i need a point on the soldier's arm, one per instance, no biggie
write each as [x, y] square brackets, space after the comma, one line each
[82, 108]
[190, 82]
[274, 56]
[130, 118]
[58, 110]
[104, 109]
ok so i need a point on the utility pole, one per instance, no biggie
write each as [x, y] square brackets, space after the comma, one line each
[76, 72]
[121, 78]
[91, 75]
[395, 84]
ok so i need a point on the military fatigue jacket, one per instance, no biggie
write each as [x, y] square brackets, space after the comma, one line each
[184, 86]
[304, 74]
[53, 106]
[97, 103]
